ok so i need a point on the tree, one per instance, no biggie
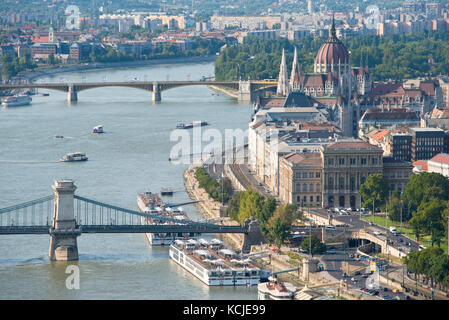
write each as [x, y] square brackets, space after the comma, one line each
[394, 207]
[423, 187]
[316, 245]
[429, 219]
[376, 189]
[234, 205]
[278, 230]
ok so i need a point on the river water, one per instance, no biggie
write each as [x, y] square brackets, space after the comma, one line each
[130, 157]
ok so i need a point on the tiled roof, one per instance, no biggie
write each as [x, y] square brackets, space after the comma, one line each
[422, 163]
[378, 135]
[428, 88]
[388, 90]
[441, 158]
[351, 145]
[314, 80]
[303, 158]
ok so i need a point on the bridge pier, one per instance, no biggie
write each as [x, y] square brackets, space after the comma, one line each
[245, 91]
[253, 236]
[72, 94]
[64, 231]
[156, 92]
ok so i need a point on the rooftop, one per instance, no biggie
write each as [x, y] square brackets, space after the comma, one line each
[441, 158]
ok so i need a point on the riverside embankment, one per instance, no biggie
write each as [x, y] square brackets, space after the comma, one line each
[32, 75]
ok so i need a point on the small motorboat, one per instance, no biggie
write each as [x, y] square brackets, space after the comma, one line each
[98, 129]
[75, 156]
[59, 137]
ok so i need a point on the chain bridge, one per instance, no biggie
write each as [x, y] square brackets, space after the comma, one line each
[245, 89]
[65, 216]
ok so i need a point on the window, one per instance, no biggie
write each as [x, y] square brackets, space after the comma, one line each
[311, 187]
[363, 161]
[331, 183]
[298, 175]
[342, 182]
[304, 175]
[318, 187]
[298, 187]
[311, 198]
[317, 174]
[298, 199]
[374, 161]
[311, 174]
[304, 187]
[341, 161]
[352, 161]
[318, 198]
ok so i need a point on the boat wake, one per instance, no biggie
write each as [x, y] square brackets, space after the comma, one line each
[26, 161]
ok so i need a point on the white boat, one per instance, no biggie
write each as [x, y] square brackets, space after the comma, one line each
[151, 203]
[18, 100]
[98, 129]
[274, 290]
[213, 264]
[75, 156]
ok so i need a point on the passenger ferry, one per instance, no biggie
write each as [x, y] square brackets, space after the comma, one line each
[190, 125]
[13, 101]
[275, 290]
[75, 156]
[152, 204]
[214, 264]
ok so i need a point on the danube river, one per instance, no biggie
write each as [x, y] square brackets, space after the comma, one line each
[130, 157]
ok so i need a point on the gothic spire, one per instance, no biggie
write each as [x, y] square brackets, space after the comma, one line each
[294, 76]
[282, 88]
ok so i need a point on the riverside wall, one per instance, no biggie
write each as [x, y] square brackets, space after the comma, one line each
[210, 208]
[32, 75]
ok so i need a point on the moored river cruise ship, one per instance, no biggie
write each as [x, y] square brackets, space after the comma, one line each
[214, 264]
[152, 204]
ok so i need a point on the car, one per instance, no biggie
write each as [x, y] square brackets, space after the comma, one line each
[354, 279]
[408, 243]
[371, 223]
[387, 297]
[351, 255]
[401, 240]
[363, 230]
[385, 289]
[377, 233]
[356, 273]
[302, 250]
[396, 291]
[344, 275]
[332, 251]
[365, 275]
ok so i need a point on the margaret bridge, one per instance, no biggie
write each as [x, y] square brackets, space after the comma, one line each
[65, 216]
[246, 89]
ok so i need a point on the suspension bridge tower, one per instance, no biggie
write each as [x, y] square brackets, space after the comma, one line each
[64, 231]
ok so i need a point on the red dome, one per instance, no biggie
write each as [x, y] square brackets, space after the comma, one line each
[332, 52]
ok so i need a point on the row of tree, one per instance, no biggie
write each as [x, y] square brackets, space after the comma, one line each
[199, 47]
[430, 264]
[389, 57]
[275, 221]
[11, 66]
[220, 190]
[424, 203]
